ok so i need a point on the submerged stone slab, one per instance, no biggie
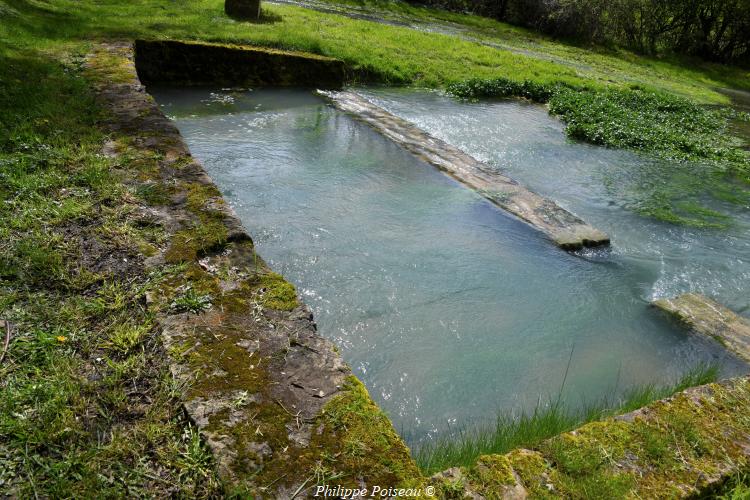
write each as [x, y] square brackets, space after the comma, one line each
[193, 63]
[565, 229]
[708, 317]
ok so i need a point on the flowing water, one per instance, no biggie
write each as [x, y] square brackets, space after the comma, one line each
[446, 307]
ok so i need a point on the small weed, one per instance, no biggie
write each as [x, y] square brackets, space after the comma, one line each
[126, 336]
[241, 400]
[191, 301]
[737, 488]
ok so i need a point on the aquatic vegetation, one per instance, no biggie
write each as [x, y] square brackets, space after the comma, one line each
[697, 156]
[527, 430]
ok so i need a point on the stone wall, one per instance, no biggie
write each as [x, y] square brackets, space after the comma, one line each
[192, 63]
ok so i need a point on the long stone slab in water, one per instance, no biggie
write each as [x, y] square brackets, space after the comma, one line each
[565, 229]
[708, 317]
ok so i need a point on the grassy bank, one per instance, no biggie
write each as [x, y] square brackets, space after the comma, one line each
[388, 54]
[87, 405]
[528, 430]
[620, 100]
[601, 64]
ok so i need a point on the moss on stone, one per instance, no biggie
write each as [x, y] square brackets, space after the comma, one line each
[362, 437]
[190, 244]
[679, 447]
[199, 194]
[492, 472]
[278, 293]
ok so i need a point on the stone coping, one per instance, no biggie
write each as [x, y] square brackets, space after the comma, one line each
[196, 63]
[273, 399]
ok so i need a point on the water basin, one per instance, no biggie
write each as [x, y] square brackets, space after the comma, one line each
[447, 308]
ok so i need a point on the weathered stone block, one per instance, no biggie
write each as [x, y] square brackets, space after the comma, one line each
[242, 9]
[565, 229]
[707, 317]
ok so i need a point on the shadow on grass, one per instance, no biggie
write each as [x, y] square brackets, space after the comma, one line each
[265, 17]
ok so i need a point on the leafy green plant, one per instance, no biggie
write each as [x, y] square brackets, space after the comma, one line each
[191, 301]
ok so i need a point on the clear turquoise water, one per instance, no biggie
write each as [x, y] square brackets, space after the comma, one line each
[447, 308]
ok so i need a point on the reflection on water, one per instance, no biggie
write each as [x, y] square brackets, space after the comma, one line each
[446, 307]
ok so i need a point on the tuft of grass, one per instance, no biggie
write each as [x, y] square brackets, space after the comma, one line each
[191, 301]
[737, 488]
[127, 336]
[529, 429]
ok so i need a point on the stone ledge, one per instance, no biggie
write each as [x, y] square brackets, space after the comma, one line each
[273, 400]
[685, 446]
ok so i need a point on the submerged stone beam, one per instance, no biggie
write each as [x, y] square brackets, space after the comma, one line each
[707, 317]
[565, 229]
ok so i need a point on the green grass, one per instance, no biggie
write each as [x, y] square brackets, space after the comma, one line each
[599, 64]
[88, 407]
[622, 100]
[529, 429]
[737, 488]
[387, 54]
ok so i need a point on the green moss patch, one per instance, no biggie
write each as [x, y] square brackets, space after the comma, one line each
[362, 441]
[277, 293]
